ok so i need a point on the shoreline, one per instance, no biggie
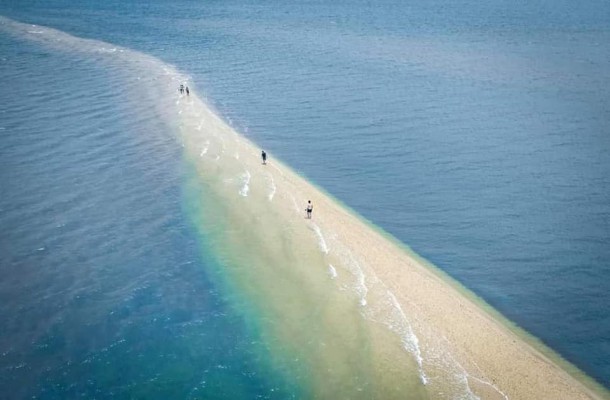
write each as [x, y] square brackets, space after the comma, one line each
[531, 365]
[500, 359]
[495, 317]
[513, 362]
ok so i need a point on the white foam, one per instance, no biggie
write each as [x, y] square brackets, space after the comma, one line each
[354, 267]
[246, 183]
[321, 241]
[332, 271]
[294, 204]
[205, 148]
[272, 188]
[409, 339]
[489, 384]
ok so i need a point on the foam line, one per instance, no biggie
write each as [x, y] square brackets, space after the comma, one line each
[272, 188]
[246, 183]
[355, 269]
[204, 150]
[294, 204]
[409, 339]
[504, 395]
[332, 271]
[321, 241]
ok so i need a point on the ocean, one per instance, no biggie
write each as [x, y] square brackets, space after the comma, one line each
[475, 133]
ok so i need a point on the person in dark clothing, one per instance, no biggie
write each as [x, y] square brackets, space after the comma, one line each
[188, 92]
[264, 156]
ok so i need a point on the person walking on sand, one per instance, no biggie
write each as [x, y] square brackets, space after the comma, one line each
[264, 156]
[188, 93]
[181, 89]
[309, 209]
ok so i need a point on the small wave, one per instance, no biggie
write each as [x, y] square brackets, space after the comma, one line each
[409, 339]
[200, 124]
[354, 267]
[321, 241]
[246, 184]
[504, 395]
[332, 271]
[18, 366]
[294, 204]
[272, 188]
[204, 150]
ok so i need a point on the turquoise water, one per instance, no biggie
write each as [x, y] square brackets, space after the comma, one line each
[475, 133]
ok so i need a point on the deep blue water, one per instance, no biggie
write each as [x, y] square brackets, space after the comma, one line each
[475, 132]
